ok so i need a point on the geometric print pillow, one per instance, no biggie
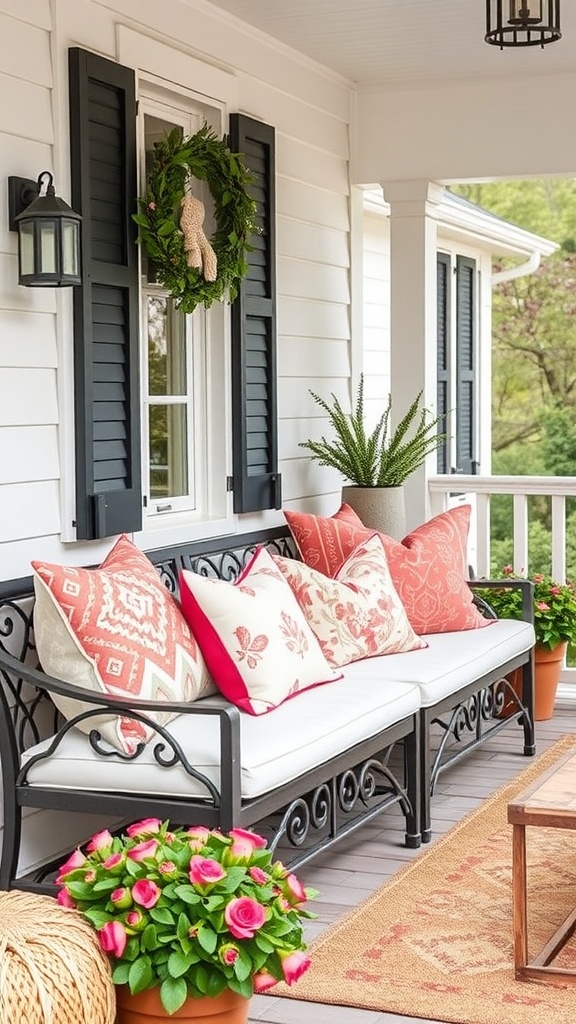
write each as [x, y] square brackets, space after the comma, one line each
[358, 614]
[258, 647]
[116, 630]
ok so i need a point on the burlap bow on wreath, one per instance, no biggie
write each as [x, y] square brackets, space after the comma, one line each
[194, 270]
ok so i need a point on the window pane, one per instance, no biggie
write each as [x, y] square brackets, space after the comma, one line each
[166, 347]
[168, 451]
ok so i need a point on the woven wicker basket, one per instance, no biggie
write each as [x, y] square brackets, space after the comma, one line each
[52, 970]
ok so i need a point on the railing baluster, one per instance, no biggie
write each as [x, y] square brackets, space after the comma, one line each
[479, 490]
[559, 537]
[520, 560]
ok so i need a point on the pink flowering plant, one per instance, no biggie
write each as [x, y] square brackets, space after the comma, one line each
[554, 606]
[191, 910]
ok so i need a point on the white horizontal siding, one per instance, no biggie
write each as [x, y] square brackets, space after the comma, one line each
[313, 358]
[296, 118]
[28, 453]
[27, 338]
[25, 52]
[312, 242]
[35, 12]
[314, 319]
[24, 158]
[312, 165]
[25, 110]
[16, 554]
[313, 280]
[12, 296]
[302, 479]
[27, 396]
[316, 206]
[29, 510]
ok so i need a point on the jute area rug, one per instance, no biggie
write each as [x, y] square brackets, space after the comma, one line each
[436, 941]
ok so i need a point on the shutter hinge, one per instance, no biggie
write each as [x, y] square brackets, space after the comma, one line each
[145, 500]
[137, 107]
[229, 483]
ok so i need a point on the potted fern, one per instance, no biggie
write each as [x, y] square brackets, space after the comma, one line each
[376, 463]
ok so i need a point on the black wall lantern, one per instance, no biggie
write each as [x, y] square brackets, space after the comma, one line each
[522, 22]
[48, 234]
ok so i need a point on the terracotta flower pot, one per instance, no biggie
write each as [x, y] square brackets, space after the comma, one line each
[146, 1008]
[547, 667]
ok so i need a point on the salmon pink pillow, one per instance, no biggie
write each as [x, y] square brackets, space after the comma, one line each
[116, 630]
[428, 567]
[256, 642]
[358, 614]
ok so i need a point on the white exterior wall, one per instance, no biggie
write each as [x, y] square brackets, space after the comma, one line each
[376, 321]
[310, 109]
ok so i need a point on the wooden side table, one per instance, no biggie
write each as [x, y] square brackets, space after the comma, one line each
[550, 802]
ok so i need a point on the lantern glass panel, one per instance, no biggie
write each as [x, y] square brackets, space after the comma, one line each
[26, 247]
[525, 12]
[70, 247]
[48, 247]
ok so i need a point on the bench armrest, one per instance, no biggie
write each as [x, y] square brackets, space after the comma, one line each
[526, 587]
[42, 681]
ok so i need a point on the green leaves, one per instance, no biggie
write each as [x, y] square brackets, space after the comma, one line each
[376, 459]
[554, 605]
[140, 975]
[182, 943]
[207, 158]
[173, 993]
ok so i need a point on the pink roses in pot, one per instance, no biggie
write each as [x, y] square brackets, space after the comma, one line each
[192, 911]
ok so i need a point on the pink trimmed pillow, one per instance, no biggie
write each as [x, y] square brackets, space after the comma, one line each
[116, 630]
[358, 614]
[257, 644]
[428, 567]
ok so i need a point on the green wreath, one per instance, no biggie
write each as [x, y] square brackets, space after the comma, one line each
[208, 158]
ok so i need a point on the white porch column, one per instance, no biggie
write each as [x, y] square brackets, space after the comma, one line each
[413, 245]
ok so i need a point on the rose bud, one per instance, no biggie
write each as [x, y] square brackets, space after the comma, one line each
[112, 938]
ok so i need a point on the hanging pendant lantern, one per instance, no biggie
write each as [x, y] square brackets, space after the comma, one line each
[522, 22]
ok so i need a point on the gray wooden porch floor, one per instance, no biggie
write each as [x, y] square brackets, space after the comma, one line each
[357, 866]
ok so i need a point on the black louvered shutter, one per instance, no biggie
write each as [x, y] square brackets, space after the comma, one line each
[103, 158]
[256, 481]
[443, 357]
[466, 365]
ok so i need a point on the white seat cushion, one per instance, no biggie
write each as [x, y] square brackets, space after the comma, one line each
[301, 734]
[452, 660]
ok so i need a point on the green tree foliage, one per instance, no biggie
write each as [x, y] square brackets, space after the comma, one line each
[546, 206]
[534, 362]
[534, 322]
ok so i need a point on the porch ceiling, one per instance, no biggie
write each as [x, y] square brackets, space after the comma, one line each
[379, 42]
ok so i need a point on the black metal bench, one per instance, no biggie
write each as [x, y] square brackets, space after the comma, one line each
[300, 818]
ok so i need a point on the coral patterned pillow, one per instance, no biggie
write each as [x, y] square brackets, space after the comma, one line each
[256, 642]
[116, 630]
[325, 541]
[358, 614]
[428, 567]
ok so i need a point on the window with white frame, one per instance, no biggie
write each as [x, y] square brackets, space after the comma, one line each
[184, 409]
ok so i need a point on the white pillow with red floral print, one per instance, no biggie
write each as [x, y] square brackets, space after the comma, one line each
[358, 613]
[256, 642]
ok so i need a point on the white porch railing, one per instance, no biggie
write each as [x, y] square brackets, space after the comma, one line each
[446, 489]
